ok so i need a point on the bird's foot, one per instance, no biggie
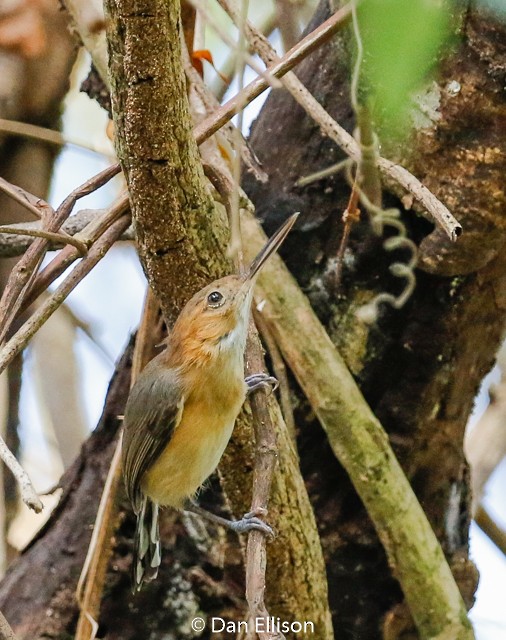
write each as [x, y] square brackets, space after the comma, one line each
[249, 522]
[261, 381]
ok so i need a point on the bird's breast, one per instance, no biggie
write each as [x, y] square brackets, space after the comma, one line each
[197, 443]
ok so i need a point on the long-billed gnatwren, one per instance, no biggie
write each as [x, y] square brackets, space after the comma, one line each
[182, 409]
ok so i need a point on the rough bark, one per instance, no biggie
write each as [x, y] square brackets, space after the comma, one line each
[177, 226]
[41, 603]
[181, 240]
[178, 229]
[419, 367]
[361, 446]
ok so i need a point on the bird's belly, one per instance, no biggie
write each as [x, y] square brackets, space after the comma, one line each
[192, 454]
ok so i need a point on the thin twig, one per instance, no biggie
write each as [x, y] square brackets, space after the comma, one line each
[24, 271]
[307, 45]
[21, 338]
[28, 493]
[265, 462]
[323, 173]
[223, 184]
[350, 216]
[92, 579]
[44, 134]
[340, 136]
[490, 528]
[396, 176]
[279, 370]
[58, 238]
[36, 206]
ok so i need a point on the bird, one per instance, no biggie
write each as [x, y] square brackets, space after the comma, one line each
[181, 411]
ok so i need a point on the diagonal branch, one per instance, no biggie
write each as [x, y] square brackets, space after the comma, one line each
[92, 580]
[36, 206]
[58, 238]
[362, 447]
[21, 338]
[24, 271]
[390, 171]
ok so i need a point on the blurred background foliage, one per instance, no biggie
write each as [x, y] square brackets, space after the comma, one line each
[402, 42]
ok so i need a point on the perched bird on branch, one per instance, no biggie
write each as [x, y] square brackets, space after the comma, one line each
[182, 409]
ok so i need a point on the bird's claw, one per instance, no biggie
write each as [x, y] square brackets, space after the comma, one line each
[250, 522]
[261, 381]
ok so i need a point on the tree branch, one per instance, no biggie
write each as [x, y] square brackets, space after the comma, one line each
[21, 338]
[389, 170]
[28, 493]
[14, 241]
[178, 229]
[265, 463]
[59, 238]
[23, 273]
[362, 447]
[182, 243]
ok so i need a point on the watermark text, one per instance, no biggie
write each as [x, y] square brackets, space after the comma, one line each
[269, 624]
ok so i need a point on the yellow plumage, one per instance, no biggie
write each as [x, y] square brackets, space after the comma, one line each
[181, 411]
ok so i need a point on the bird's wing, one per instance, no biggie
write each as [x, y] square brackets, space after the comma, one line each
[153, 410]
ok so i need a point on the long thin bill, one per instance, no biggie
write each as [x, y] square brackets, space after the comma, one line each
[271, 246]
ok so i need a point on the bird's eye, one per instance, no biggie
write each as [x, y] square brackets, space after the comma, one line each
[215, 299]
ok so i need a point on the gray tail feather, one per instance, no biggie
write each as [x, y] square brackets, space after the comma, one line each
[147, 550]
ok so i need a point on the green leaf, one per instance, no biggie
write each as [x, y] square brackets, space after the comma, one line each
[402, 40]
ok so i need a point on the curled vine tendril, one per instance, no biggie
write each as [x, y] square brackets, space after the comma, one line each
[380, 218]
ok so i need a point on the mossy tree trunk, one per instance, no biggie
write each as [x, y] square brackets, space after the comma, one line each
[419, 367]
